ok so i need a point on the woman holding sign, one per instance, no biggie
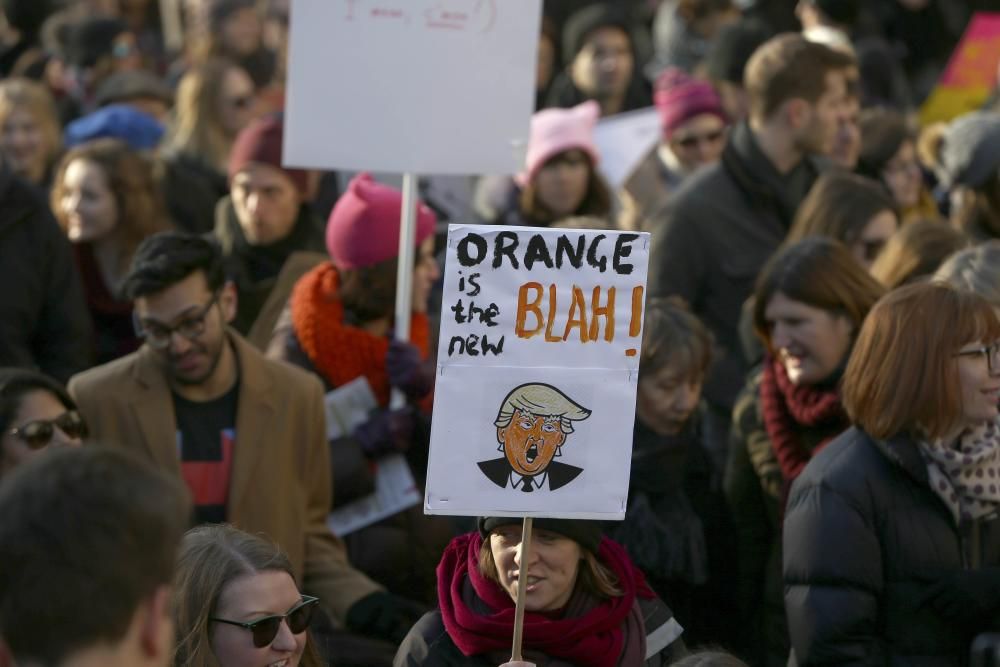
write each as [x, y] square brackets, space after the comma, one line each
[810, 301]
[338, 325]
[586, 603]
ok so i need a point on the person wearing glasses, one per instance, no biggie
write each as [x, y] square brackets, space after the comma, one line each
[237, 603]
[246, 434]
[852, 209]
[810, 301]
[891, 537]
[36, 413]
[693, 129]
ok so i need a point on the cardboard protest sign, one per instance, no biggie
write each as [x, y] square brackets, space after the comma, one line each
[428, 86]
[623, 140]
[537, 369]
[971, 74]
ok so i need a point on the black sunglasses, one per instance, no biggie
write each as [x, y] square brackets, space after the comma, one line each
[265, 629]
[39, 433]
[692, 140]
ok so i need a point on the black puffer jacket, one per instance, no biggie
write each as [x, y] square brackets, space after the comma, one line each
[864, 535]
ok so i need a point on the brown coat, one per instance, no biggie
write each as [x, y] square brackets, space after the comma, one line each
[645, 195]
[281, 468]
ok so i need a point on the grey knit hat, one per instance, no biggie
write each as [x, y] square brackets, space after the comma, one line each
[970, 154]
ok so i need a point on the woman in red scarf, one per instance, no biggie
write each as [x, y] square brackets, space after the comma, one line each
[339, 324]
[586, 603]
[809, 303]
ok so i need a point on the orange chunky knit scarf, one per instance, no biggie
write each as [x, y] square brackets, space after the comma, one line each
[339, 351]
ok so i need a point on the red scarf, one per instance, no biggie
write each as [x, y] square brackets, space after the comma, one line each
[787, 408]
[339, 351]
[479, 615]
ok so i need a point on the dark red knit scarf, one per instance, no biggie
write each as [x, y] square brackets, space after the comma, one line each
[788, 408]
[339, 351]
[479, 615]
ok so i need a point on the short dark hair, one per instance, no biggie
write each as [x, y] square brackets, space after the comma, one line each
[16, 382]
[167, 258]
[790, 66]
[88, 533]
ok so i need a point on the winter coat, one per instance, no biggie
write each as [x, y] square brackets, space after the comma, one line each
[44, 323]
[428, 643]
[723, 224]
[864, 535]
[645, 195]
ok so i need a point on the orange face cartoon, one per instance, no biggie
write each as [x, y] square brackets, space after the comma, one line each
[531, 441]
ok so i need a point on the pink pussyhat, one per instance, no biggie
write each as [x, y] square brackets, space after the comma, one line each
[363, 228]
[554, 131]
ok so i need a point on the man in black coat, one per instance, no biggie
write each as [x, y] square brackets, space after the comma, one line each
[728, 219]
[44, 323]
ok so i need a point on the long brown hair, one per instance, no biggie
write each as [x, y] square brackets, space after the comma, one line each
[210, 557]
[916, 251]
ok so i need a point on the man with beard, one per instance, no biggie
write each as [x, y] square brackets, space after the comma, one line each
[532, 425]
[246, 434]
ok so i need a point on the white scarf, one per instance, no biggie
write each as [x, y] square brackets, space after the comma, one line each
[967, 477]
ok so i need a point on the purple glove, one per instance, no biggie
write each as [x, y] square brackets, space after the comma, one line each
[386, 432]
[407, 371]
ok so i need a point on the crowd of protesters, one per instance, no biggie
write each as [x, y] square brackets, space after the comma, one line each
[816, 449]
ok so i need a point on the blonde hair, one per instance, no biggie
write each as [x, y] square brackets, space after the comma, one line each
[37, 101]
[541, 400]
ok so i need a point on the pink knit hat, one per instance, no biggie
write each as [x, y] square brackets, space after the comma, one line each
[679, 98]
[556, 130]
[363, 228]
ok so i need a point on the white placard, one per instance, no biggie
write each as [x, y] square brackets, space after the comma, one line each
[537, 369]
[347, 407]
[424, 86]
[623, 140]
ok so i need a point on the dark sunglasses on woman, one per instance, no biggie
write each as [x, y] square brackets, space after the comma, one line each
[37, 434]
[265, 629]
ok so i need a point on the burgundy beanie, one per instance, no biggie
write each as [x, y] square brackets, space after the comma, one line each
[260, 142]
[363, 228]
[679, 98]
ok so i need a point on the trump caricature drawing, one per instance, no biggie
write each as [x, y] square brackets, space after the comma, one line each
[533, 424]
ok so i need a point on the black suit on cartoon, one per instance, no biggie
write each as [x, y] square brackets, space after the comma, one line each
[499, 472]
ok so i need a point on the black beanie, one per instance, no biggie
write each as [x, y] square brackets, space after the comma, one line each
[843, 12]
[91, 39]
[585, 21]
[733, 47]
[585, 533]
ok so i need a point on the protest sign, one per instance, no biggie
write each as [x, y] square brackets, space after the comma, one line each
[537, 370]
[426, 86]
[971, 74]
[623, 140]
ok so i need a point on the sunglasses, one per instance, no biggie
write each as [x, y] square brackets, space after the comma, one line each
[265, 629]
[38, 434]
[693, 140]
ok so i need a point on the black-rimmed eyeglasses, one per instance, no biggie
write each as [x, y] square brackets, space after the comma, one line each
[158, 335]
[991, 352]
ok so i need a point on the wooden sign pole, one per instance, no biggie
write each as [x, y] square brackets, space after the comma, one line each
[522, 587]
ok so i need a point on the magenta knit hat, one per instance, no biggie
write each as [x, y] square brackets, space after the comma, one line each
[363, 228]
[556, 130]
[679, 98]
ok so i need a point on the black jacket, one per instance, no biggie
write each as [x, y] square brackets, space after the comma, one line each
[722, 226]
[863, 535]
[44, 323]
[429, 645]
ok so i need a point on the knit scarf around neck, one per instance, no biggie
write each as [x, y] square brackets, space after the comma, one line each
[339, 351]
[788, 408]
[967, 476]
[479, 615]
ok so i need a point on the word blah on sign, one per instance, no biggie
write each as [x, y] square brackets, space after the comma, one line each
[537, 371]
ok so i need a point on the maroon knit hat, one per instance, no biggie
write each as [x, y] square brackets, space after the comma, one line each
[363, 228]
[260, 142]
[679, 98]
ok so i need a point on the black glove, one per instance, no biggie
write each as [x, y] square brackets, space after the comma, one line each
[963, 595]
[407, 371]
[386, 432]
[384, 615]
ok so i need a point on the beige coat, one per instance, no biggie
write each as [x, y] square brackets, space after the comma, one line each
[281, 466]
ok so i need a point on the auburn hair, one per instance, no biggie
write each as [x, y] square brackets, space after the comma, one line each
[819, 272]
[902, 376]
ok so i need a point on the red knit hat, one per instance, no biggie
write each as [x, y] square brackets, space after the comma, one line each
[679, 98]
[260, 142]
[363, 228]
